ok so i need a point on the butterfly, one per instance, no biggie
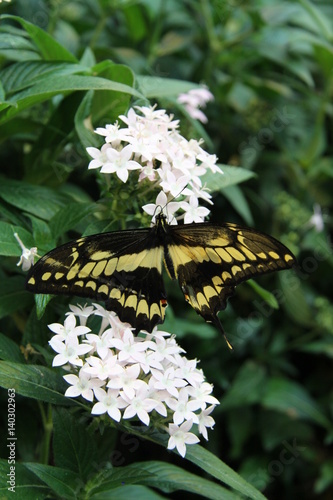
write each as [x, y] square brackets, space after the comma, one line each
[124, 268]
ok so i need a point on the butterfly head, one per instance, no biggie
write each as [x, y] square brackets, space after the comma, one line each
[160, 218]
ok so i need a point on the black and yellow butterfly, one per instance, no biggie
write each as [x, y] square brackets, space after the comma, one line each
[124, 268]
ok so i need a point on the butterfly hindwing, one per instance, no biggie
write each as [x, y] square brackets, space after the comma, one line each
[122, 268]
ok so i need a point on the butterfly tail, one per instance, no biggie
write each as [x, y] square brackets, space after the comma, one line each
[218, 324]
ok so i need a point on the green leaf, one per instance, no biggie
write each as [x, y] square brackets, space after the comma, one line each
[87, 137]
[41, 301]
[41, 234]
[291, 398]
[294, 299]
[221, 471]
[276, 427]
[125, 492]
[9, 246]
[215, 467]
[230, 176]
[20, 75]
[239, 428]
[68, 217]
[15, 47]
[37, 333]
[319, 18]
[63, 482]
[74, 446]
[27, 485]
[166, 477]
[268, 297]
[325, 480]
[13, 295]
[51, 86]
[108, 105]
[24, 127]
[237, 200]
[9, 350]
[49, 48]
[241, 97]
[247, 387]
[37, 200]
[322, 347]
[2, 91]
[37, 382]
[156, 87]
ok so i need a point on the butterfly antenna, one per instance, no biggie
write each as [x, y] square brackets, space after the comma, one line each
[174, 197]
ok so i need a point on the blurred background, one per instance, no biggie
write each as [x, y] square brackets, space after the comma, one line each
[269, 66]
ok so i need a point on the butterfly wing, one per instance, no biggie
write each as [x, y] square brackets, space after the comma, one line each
[122, 268]
[210, 260]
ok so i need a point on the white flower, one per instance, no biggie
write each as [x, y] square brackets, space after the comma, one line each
[139, 405]
[191, 169]
[146, 149]
[188, 370]
[194, 99]
[101, 343]
[317, 220]
[167, 381]
[183, 408]
[127, 380]
[108, 402]
[209, 161]
[82, 385]
[119, 162]
[113, 134]
[148, 172]
[194, 213]
[83, 312]
[175, 185]
[129, 349]
[168, 209]
[108, 318]
[151, 113]
[99, 156]
[180, 437]
[151, 360]
[68, 329]
[201, 193]
[131, 119]
[103, 368]
[203, 393]
[28, 254]
[68, 351]
[205, 420]
[166, 348]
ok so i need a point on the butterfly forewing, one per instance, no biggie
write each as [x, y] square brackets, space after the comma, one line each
[121, 268]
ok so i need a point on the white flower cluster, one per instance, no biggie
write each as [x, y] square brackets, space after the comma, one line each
[151, 144]
[129, 377]
[194, 100]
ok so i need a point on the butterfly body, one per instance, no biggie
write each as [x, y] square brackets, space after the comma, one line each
[124, 268]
